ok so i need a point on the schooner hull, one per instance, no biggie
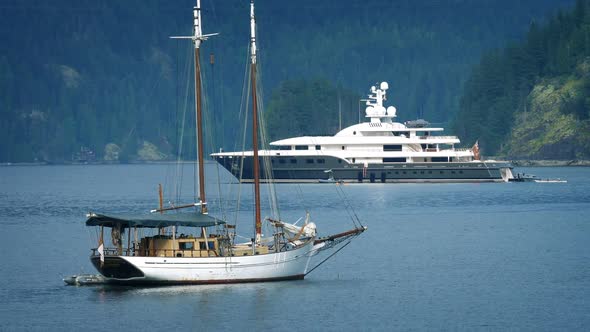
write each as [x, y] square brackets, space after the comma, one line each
[289, 265]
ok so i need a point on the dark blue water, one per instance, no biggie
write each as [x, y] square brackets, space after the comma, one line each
[436, 256]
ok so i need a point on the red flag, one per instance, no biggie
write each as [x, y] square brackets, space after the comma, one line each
[475, 150]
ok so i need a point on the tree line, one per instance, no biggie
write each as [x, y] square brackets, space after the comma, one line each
[76, 76]
[499, 87]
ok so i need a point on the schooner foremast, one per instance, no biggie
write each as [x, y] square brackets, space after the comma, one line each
[197, 38]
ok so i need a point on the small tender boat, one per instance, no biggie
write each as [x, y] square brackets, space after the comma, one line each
[533, 178]
[330, 178]
[522, 177]
[84, 279]
[550, 181]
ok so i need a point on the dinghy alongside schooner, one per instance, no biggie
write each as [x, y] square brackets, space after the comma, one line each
[210, 256]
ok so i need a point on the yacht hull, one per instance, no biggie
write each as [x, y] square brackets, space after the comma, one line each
[299, 169]
[288, 265]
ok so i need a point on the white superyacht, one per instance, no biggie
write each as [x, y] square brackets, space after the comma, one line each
[379, 150]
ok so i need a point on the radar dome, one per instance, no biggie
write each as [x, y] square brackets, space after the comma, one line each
[391, 111]
[384, 86]
[369, 110]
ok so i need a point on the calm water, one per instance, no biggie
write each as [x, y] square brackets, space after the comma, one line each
[436, 256]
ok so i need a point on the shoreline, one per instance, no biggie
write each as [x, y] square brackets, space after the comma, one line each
[515, 163]
[93, 163]
[550, 163]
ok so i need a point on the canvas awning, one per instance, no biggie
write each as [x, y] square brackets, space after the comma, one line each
[153, 220]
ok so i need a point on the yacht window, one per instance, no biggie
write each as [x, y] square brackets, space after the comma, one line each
[211, 245]
[340, 161]
[309, 161]
[343, 147]
[202, 245]
[439, 159]
[394, 160]
[318, 147]
[186, 246]
[293, 161]
[301, 147]
[395, 147]
[284, 147]
[353, 160]
[321, 161]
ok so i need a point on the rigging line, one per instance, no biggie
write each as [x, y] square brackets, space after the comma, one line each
[348, 207]
[179, 174]
[222, 207]
[245, 97]
[334, 253]
[270, 185]
[196, 184]
[243, 112]
[208, 115]
[273, 200]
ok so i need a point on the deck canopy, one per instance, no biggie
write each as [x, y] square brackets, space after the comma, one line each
[153, 220]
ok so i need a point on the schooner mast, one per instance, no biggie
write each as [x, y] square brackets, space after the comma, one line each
[197, 38]
[256, 165]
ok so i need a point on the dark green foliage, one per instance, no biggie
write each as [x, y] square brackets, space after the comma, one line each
[314, 107]
[500, 84]
[87, 73]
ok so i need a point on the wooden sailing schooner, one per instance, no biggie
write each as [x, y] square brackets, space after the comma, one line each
[210, 256]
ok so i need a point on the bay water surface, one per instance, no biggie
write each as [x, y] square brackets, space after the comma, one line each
[491, 256]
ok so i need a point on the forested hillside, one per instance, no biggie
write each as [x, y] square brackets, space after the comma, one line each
[532, 99]
[83, 80]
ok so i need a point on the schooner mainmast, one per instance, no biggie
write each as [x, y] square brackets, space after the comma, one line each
[256, 165]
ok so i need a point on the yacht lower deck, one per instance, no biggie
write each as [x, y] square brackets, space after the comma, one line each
[306, 169]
